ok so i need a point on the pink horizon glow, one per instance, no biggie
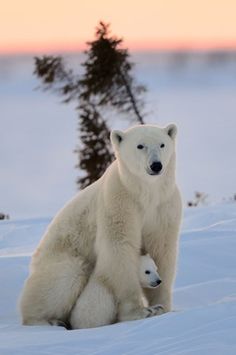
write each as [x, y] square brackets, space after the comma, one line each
[131, 45]
[48, 26]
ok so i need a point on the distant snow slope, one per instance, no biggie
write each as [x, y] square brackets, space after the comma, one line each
[204, 320]
[195, 90]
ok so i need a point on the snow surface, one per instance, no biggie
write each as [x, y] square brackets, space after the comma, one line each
[204, 317]
[38, 134]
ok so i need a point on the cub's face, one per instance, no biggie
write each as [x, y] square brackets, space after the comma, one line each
[148, 274]
[145, 150]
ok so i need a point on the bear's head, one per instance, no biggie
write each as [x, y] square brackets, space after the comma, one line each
[148, 275]
[145, 150]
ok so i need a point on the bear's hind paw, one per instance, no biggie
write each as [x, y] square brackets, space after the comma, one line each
[60, 323]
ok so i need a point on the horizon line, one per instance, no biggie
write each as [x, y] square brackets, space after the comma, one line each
[142, 46]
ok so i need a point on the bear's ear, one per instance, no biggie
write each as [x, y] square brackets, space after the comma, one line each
[116, 137]
[171, 130]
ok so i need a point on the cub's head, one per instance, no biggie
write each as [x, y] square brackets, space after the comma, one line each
[146, 149]
[148, 275]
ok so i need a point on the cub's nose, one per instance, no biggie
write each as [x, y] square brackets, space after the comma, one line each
[156, 166]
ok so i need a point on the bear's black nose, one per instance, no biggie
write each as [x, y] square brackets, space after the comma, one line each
[156, 166]
[156, 283]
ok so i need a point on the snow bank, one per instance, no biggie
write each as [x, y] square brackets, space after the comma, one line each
[204, 317]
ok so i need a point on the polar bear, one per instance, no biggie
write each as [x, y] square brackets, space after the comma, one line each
[97, 305]
[135, 204]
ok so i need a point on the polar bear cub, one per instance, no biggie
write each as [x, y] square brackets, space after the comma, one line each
[97, 306]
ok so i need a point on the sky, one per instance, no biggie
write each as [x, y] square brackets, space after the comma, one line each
[29, 26]
[37, 179]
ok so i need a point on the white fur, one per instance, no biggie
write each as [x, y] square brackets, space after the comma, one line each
[97, 306]
[148, 274]
[106, 225]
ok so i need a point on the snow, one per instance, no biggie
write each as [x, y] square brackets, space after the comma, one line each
[38, 134]
[204, 318]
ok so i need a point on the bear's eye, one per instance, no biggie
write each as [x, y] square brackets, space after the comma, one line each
[140, 146]
[147, 272]
[162, 145]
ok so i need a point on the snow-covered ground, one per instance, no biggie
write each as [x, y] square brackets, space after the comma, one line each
[38, 134]
[204, 320]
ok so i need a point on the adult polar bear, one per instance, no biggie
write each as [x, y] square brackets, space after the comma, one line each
[135, 204]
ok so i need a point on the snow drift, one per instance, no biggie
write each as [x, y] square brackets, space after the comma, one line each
[204, 317]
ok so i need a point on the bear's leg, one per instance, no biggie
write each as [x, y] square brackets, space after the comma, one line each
[50, 292]
[118, 254]
[162, 245]
[95, 306]
[166, 268]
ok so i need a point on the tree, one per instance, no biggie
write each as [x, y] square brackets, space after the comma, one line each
[4, 216]
[95, 155]
[106, 84]
[199, 198]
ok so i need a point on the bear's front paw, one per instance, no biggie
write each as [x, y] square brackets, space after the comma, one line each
[157, 309]
[149, 312]
[136, 313]
[153, 311]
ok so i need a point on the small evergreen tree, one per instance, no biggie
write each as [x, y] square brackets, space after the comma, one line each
[199, 198]
[4, 216]
[95, 155]
[107, 83]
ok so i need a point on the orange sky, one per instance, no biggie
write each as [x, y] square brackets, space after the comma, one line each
[30, 25]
